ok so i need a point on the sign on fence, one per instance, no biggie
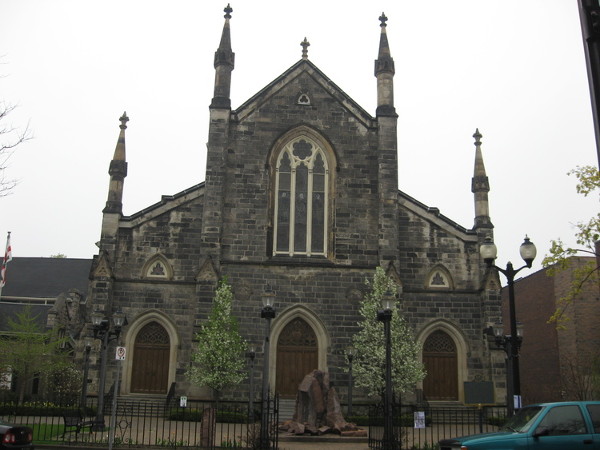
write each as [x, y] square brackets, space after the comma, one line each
[419, 419]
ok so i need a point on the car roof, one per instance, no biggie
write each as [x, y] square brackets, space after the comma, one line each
[574, 402]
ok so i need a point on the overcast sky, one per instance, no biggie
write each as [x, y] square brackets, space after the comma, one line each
[515, 69]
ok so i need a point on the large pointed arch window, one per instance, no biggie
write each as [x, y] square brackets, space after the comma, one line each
[301, 206]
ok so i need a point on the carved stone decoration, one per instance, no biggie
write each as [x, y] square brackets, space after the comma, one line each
[318, 409]
[102, 267]
[207, 271]
[67, 313]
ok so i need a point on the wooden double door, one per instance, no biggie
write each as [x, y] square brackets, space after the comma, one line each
[440, 360]
[297, 356]
[151, 356]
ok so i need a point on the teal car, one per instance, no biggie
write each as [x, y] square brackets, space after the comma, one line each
[564, 426]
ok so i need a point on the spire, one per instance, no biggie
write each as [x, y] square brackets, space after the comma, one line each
[117, 172]
[305, 44]
[384, 71]
[384, 60]
[480, 186]
[224, 64]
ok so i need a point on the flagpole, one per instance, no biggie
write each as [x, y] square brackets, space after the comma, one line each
[7, 258]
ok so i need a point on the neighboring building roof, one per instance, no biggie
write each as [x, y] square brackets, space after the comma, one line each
[9, 311]
[45, 277]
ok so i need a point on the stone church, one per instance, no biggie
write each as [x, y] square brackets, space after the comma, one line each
[301, 199]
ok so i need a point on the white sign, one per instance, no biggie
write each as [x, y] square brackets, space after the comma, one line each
[419, 419]
[120, 355]
[183, 401]
[517, 402]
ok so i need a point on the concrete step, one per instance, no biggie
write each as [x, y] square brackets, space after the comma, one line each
[287, 408]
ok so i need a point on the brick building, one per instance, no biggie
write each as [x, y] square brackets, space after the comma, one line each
[301, 198]
[555, 363]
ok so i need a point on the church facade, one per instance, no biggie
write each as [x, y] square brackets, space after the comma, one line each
[300, 199]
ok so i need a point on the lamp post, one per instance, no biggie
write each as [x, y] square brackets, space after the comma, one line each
[267, 312]
[511, 342]
[251, 354]
[87, 347]
[385, 316]
[103, 332]
[350, 355]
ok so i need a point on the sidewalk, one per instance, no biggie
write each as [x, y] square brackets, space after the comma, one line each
[322, 442]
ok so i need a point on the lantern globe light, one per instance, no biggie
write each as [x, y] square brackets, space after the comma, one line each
[488, 251]
[97, 318]
[267, 299]
[498, 329]
[528, 251]
[119, 319]
[520, 329]
[388, 300]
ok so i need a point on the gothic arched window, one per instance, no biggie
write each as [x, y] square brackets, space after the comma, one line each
[301, 206]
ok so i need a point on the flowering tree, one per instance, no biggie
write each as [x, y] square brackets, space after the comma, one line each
[369, 342]
[218, 357]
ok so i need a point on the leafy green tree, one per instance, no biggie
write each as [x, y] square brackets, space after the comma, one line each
[28, 350]
[587, 236]
[369, 343]
[218, 358]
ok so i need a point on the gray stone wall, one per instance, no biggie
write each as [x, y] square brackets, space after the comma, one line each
[226, 231]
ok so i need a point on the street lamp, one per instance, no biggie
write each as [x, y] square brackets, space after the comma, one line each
[267, 312]
[350, 355]
[87, 347]
[511, 342]
[251, 354]
[103, 332]
[385, 316]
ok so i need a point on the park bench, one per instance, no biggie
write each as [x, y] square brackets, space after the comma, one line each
[75, 422]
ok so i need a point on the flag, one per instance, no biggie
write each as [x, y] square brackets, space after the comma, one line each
[5, 261]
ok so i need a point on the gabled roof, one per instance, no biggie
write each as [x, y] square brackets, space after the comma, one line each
[433, 215]
[166, 203]
[9, 311]
[28, 277]
[304, 66]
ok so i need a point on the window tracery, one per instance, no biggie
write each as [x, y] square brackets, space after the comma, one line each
[301, 209]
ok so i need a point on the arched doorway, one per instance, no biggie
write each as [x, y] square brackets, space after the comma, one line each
[150, 368]
[440, 360]
[297, 355]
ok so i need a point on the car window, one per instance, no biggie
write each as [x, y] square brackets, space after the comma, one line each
[523, 419]
[562, 420]
[594, 411]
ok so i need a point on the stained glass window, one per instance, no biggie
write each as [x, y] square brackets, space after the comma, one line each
[301, 202]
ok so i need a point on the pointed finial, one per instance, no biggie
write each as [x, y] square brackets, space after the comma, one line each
[477, 137]
[124, 119]
[383, 20]
[305, 44]
[228, 10]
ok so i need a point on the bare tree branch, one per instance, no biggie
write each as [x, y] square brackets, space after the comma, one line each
[10, 138]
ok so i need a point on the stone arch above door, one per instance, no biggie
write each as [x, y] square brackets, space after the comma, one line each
[280, 323]
[442, 339]
[143, 324]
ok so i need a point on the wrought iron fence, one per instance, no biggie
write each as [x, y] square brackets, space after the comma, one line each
[415, 427]
[228, 424]
[150, 423]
